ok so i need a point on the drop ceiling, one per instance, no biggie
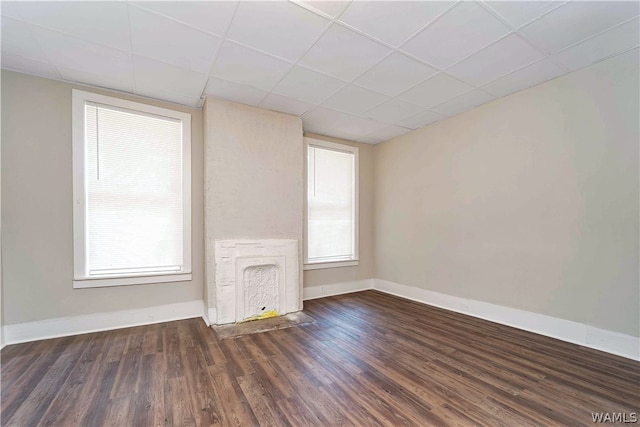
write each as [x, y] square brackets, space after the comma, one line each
[362, 70]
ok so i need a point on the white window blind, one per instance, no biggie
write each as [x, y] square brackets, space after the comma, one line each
[136, 216]
[331, 205]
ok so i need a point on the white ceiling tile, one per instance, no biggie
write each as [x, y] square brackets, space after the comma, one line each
[503, 57]
[421, 119]
[619, 39]
[368, 140]
[103, 22]
[322, 119]
[285, 105]
[75, 54]
[234, 91]
[157, 37]
[354, 125]
[518, 13]
[210, 16]
[365, 140]
[176, 98]
[17, 40]
[526, 77]
[387, 132]
[395, 74]
[344, 53]
[362, 128]
[460, 32]
[434, 91]
[393, 111]
[91, 43]
[246, 66]
[630, 58]
[307, 85]
[151, 75]
[576, 21]
[337, 133]
[354, 100]
[392, 22]
[280, 28]
[330, 7]
[122, 82]
[30, 66]
[463, 102]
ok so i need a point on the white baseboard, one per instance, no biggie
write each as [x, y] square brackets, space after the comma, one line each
[314, 292]
[578, 333]
[74, 325]
[566, 330]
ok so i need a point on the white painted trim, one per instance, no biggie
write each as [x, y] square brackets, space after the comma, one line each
[75, 325]
[330, 264]
[82, 278]
[314, 292]
[350, 149]
[136, 280]
[566, 330]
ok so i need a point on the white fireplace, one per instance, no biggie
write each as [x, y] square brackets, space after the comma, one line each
[255, 277]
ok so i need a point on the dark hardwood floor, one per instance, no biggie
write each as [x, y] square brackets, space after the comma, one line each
[369, 359]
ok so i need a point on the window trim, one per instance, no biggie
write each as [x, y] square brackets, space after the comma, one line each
[307, 265]
[80, 277]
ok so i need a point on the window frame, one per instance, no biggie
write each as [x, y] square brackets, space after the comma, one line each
[326, 145]
[81, 278]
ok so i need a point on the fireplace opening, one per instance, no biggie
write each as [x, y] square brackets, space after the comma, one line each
[261, 289]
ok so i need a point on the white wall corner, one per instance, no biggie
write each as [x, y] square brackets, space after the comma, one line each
[313, 292]
[566, 330]
[65, 326]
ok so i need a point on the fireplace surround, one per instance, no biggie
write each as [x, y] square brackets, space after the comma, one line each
[255, 279]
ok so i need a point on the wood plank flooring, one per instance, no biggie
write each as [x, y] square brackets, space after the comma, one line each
[369, 359]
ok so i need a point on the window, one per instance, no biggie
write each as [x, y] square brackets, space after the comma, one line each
[131, 191]
[332, 205]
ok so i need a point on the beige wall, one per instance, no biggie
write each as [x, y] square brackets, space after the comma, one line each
[253, 182]
[37, 252]
[530, 201]
[364, 270]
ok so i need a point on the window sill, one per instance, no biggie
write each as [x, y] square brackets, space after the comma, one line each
[124, 281]
[330, 264]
